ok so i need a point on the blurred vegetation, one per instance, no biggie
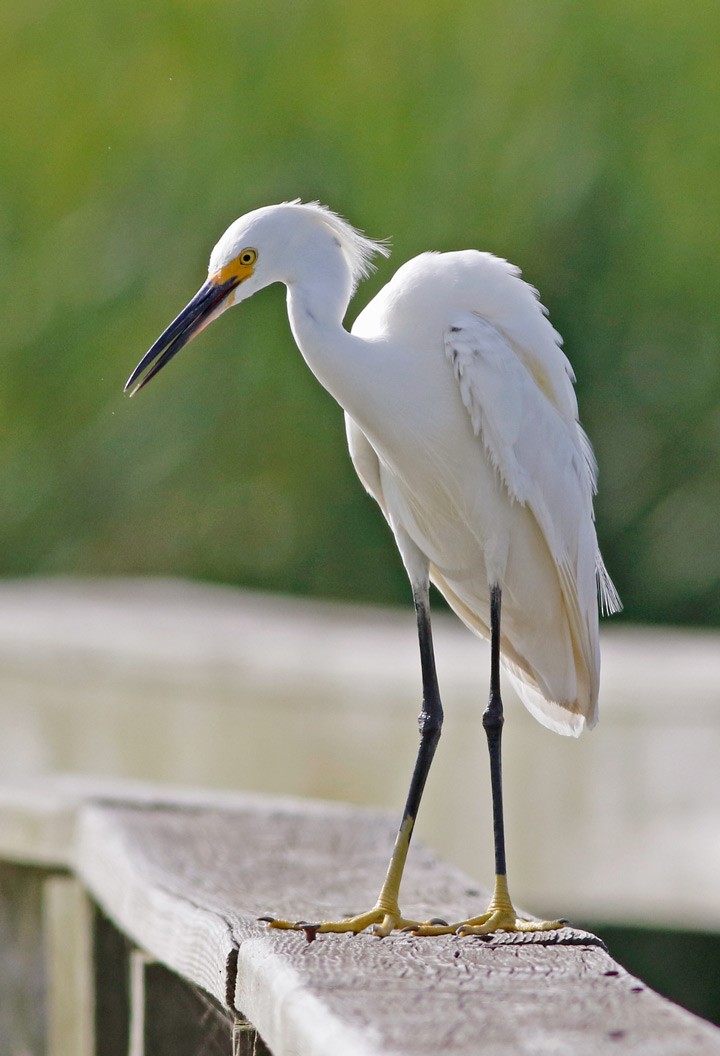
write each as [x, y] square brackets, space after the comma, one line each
[579, 140]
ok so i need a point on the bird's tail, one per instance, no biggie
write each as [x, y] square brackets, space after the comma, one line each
[567, 719]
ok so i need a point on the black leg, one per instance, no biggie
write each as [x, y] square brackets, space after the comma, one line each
[431, 717]
[430, 722]
[386, 915]
[493, 723]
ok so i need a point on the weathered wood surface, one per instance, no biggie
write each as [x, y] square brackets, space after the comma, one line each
[188, 683]
[187, 879]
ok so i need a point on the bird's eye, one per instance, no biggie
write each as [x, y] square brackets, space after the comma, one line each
[248, 256]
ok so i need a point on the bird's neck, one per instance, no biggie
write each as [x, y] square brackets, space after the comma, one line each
[316, 308]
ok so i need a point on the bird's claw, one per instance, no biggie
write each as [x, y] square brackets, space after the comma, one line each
[500, 920]
[487, 924]
[381, 921]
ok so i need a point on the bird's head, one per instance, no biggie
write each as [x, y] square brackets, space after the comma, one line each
[278, 243]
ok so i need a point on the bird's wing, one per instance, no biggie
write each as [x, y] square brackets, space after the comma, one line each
[542, 457]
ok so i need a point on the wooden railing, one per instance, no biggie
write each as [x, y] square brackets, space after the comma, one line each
[128, 922]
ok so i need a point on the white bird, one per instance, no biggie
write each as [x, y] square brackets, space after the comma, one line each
[462, 423]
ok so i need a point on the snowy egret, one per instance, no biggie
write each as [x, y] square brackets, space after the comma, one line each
[462, 424]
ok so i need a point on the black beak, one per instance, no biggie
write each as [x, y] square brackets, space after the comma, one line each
[190, 322]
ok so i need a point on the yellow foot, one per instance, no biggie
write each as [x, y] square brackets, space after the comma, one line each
[487, 923]
[382, 920]
[500, 916]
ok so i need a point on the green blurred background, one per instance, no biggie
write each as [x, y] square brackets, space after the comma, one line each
[579, 140]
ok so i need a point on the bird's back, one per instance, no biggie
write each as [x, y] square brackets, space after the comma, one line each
[427, 291]
[504, 488]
